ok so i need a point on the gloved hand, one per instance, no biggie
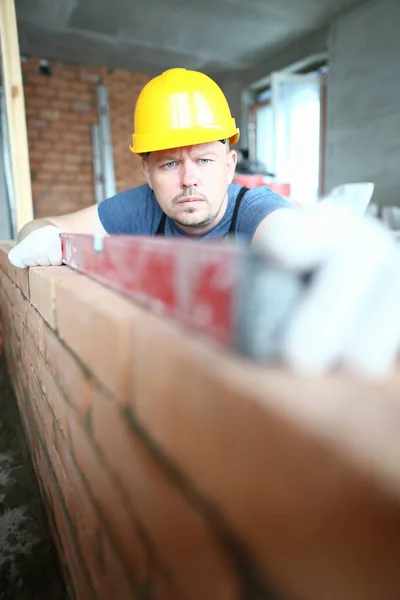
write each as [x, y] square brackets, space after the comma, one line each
[41, 247]
[354, 196]
[349, 315]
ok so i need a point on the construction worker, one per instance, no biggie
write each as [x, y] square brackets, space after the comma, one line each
[185, 134]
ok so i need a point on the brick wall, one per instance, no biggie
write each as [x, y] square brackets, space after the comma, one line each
[171, 470]
[60, 110]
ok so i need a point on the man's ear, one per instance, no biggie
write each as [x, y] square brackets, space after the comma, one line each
[231, 163]
[146, 170]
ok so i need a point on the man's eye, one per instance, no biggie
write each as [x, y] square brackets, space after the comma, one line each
[169, 165]
[204, 161]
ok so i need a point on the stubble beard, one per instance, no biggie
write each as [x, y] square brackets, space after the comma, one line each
[209, 218]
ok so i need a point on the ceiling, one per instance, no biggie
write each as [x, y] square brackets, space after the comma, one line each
[151, 35]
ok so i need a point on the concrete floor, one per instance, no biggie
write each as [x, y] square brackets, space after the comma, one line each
[29, 568]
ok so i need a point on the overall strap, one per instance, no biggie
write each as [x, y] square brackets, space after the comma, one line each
[161, 226]
[239, 198]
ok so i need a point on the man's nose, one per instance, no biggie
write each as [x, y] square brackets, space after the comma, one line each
[188, 175]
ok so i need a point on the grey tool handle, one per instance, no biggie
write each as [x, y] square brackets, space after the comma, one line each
[266, 297]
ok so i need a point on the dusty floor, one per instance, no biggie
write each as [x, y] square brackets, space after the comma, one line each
[29, 568]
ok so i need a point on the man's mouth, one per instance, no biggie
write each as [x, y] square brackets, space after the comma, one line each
[190, 200]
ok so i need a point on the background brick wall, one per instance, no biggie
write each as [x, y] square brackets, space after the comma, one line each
[171, 470]
[60, 110]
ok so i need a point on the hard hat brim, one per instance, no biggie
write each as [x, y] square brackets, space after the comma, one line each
[145, 143]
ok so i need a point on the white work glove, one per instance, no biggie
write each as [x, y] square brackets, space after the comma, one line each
[41, 247]
[349, 316]
[354, 196]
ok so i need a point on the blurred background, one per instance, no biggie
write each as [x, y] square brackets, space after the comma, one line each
[313, 86]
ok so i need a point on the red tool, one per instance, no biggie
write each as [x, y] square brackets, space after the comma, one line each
[223, 289]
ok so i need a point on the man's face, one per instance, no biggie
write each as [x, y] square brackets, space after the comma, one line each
[191, 183]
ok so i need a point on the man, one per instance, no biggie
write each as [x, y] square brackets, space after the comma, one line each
[184, 134]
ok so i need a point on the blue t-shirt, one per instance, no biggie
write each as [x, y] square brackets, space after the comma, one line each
[136, 211]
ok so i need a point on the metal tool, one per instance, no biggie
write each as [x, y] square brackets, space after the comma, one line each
[225, 290]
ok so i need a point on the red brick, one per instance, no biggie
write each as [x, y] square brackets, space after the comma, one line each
[45, 91]
[54, 396]
[35, 165]
[44, 176]
[109, 574]
[30, 111]
[66, 72]
[23, 412]
[51, 135]
[77, 158]
[80, 86]
[96, 324]
[42, 414]
[80, 577]
[18, 276]
[241, 415]
[61, 105]
[86, 169]
[46, 414]
[88, 118]
[35, 102]
[83, 514]
[82, 588]
[34, 155]
[89, 77]
[61, 83]
[82, 178]
[162, 586]
[70, 177]
[67, 94]
[37, 123]
[31, 350]
[71, 168]
[42, 290]
[12, 363]
[62, 446]
[117, 517]
[63, 480]
[36, 78]
[194, 558]
[40, 145]
[65, 146]
[50, 114]
[76, 85]
[68, 189]
[33, 135]
[82, 510]
[19, 328]
[77, 136]
[14, 296]
[61, 125]
[68, 374]
[81, 107]
[53, 166]
[90, 97]
[35, 325]
[5, 247]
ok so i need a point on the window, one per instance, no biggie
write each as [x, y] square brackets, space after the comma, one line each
[288, 127]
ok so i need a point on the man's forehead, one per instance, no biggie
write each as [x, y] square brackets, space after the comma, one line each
[212, 147]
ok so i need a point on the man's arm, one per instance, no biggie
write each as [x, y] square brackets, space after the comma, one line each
[82, 221]
[39, 241]
[276, 223]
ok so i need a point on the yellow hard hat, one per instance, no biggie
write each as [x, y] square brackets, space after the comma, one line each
[181, 108]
